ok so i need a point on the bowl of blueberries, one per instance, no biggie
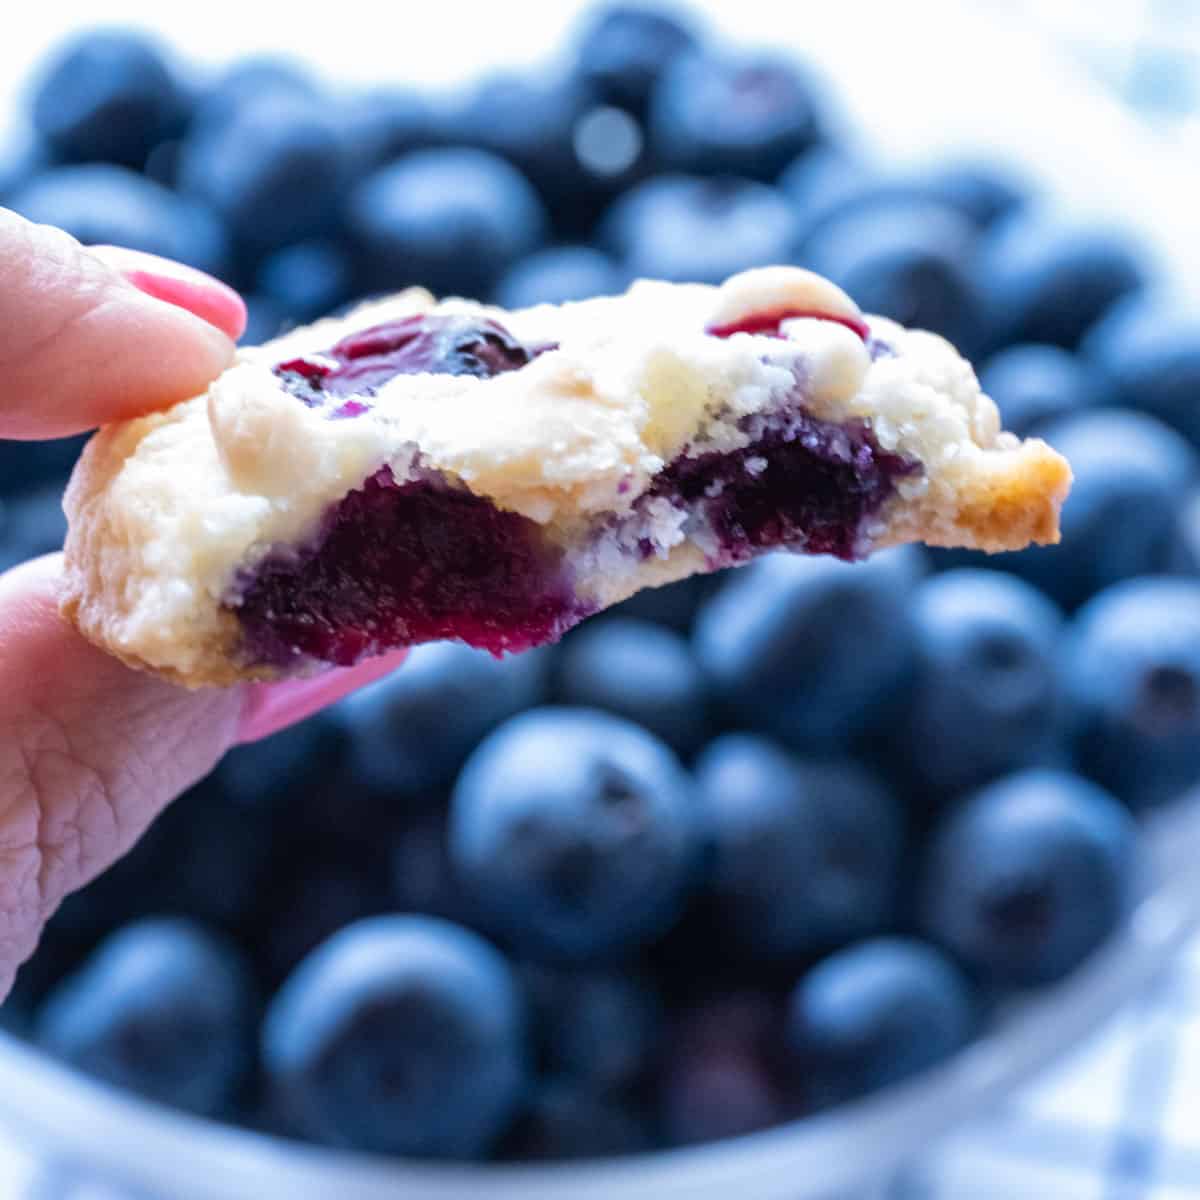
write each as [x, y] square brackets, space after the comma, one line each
[759, 881]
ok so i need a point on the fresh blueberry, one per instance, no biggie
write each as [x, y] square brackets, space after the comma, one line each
[625, 48]
[1050, 279]
[109, 96]
[640, 671]
[1134, 675]
[988, 694]
[747, 115]
[385, 123]
[65, 1184]
[1148, 350]
[699, 230]
[1035, 384]
[421, 876]
[272, 168]
[248, 80]
[306, 280]
[161, 1008]
[875, 1014]
[451, 220]
[565, 1121]
[1130, 473]
[22, 156]
[558, 275]
[810, 649]
[106, 205]
[1185, 553]
[578, 829]
[600, 1029]
[674, 605]
[413, 730]
[401, 1035]
[265, 320]
[984, 192]
[719, 1078]
[577, 154]
[804, 854]
[30, 525]
[908, 261]
[1028, 876]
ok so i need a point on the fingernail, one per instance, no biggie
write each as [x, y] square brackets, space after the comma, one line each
[270, 707]
[201, 294]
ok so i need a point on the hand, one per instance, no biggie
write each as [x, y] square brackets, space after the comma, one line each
[91, 751]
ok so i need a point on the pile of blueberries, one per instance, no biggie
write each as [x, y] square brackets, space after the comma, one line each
[746, 848]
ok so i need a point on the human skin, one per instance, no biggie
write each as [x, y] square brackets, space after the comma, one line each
[91, 751]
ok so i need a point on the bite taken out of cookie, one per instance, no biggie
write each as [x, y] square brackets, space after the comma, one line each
[421, 470]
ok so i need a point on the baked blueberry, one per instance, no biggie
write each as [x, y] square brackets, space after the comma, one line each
[988, 693]
[1026, 878]
[102, 204]
[451, 220]
[109, 96]
[559, 275]
[412, 731]
[873, 1015]
[783, 644]
[747, 115]
[400, 1035]
[1130, 471]
[911, 261]
[306, 279]
[625, 48]
[1148, 351]
[640, 671]
[1134, 678]
[579, 830]
[161, 1008]
[272, 167]
[1050, 279]
[1034, 384]
[803, 855]
[689, 229]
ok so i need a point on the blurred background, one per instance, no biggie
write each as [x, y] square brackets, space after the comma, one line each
[884, 802]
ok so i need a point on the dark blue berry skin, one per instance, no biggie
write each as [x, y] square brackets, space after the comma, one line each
[108, 96]
[988, 693]
[565, 1121]
[382, 124]
[804, 854]
[271, 167]
[30, 525]
[1050, 280]
[162, 1008]
[265, 319]
[1134, 677]
[420, 874]
[100, 204]
[1035, 384]
[873, 1015]
[624, 50]
[639, 671]
[307, 280]
[1130, 473]
[580, 832]
[22, 156]
[908, 261]
[451, 220]
[720, 1076]
[984, 192]
[559, 275]
[674, 605]
[600, 1029]
[411, 732]
[249, 80]
[400, 1035]
[688, 229]
[1027, 877]
[746, 115]
[1148, 350]
[810, 650]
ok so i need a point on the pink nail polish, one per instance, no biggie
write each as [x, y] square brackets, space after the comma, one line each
[201, 294]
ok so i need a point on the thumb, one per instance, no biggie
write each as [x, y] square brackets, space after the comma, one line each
[97, 336]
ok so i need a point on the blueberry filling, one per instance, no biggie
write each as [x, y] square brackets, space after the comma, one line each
[402, 563]
[432, 343]
[801, 484]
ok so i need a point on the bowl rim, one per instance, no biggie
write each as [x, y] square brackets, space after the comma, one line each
[855, 1144]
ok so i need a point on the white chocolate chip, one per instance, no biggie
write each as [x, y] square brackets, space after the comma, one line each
[779, 289]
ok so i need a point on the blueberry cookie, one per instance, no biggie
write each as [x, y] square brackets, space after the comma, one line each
[422, 470]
